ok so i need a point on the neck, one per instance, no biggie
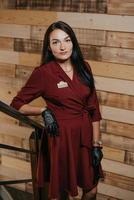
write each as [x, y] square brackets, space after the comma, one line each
[66, 65]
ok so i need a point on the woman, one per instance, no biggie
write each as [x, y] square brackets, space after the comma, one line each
[71, 117]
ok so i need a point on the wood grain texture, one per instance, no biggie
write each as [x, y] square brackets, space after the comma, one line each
[76, 20]
[98, 21]
[116, 100]
[14, 30]
[13, 57]
[118, 39]
[67, 5]
[118, 168]
[118, 128]
[117, 114]
[119, 181]
[114, 85]
[115, 192]
[27, 17]
[7, 70]
[6, 43]
[112, 70]
[129, 158]
[113, 154]
[119, 7]
[118, 142]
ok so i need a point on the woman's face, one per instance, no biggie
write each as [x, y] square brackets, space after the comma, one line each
[60, 45]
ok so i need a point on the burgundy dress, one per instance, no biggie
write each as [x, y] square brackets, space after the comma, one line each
[69, 164]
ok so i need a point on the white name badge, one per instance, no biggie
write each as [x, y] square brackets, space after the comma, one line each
[62, 84]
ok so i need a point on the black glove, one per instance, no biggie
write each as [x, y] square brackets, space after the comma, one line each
[97, 155]
[50, 122]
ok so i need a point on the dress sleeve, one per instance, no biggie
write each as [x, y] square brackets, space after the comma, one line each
[94, 103]
[31, 90]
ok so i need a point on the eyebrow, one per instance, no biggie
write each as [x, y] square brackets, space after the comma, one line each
[64, 38]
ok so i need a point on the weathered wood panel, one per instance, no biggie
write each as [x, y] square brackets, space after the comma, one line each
[29, 59]
[17, 164]
[10, 57]
[105, 197]
[14, 30]
[118, 142]
[76, 20]
[66, 5]
[117, 55]
[119, 7]
[114, 85]
[27, 17]
[118, 168]
[29, 46]
[129, 158]
[108, 54]
[119, 181]
[7, 70]
[117, 114]
[115, 191]
[98, 21]
[6, 43]
[118, 128]
[113, 70]
[116, 100]
[118, 39]
[113, 154]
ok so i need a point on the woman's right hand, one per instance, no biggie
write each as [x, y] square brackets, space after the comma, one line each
[50, 122]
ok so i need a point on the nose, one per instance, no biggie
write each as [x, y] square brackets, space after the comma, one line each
[62, 46]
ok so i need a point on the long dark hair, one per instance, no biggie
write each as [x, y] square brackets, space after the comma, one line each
[76, 57]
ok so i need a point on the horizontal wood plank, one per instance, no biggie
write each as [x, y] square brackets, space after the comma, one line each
[13, 30]
[114, 85]
[76, 20]
[113, 70]
[27, 17]
[98, 21]
[118, 142]
[117, 55]
[119, 181]
[117, 114]
[116, 100]
[29, 59]
[6, 43]
[7, 70]
[119, 7]
[115, 192]
[118, 168]
[113, 154]
[129, 158]
[17, 164]
[118, 128]
[120, 39]
[9, 57]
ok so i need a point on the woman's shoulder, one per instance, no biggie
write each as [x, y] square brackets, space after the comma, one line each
[45, 67]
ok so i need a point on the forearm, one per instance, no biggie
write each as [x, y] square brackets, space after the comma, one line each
[31, 110]
[96, 131]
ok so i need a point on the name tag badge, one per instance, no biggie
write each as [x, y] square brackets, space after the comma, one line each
[62, 84]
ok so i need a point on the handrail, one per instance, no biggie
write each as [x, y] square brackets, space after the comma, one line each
[37, 133]
[5, 146]
[19, 116]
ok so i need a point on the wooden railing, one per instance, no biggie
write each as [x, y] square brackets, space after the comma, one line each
[33, 143]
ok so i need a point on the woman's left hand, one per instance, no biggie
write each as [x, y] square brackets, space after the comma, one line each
[97, 155]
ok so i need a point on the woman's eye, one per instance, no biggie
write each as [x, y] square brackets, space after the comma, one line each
[68, 40]
[55, 42]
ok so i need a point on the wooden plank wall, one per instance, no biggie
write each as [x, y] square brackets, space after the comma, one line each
[105, 30]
